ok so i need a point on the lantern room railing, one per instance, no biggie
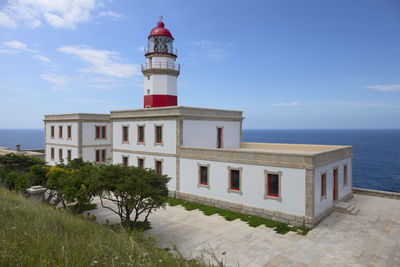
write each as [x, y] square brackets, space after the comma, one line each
[163, 50]
[161, 65]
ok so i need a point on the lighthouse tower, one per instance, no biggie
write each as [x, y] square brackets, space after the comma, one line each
[160, 71]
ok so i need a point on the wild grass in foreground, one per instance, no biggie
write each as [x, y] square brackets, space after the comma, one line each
[33, 234]
[253, 221]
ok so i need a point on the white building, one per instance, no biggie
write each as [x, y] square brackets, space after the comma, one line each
[202, 150]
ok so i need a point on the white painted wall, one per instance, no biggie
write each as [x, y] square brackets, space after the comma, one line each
[89, 133]
[321, 205]
[64, 140]
[74, 153]
[253, 185]
[160, 84]
[169, 136]
[197, 133]
[168, 167]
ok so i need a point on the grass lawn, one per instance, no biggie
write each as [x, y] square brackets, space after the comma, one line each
[33, 234]
[253, 221]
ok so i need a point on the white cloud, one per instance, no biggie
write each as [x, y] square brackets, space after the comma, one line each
[216, 53]
[205, 43]
[5, 21]
[42, 58]
[58, 81]
[385, 88]
[140, 49]
[213, 49]
[110, 14]
[16, 45]
[286, 104]
[87, 100]
[101, 61]
[57, 13]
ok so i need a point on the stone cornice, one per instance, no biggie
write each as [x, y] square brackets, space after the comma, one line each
[77, 117]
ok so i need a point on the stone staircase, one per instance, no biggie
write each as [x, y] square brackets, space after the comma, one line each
[348, 208]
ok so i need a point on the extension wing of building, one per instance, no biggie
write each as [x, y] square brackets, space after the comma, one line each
[202, 151]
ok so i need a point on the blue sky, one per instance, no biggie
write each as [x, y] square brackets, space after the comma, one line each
[286, 64]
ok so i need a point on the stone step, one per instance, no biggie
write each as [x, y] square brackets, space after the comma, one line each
[345, 207]
[355, 211]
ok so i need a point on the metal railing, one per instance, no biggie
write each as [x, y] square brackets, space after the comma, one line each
[169, 51]
[161, 65]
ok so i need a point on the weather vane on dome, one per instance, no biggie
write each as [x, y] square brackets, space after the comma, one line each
[161, 17]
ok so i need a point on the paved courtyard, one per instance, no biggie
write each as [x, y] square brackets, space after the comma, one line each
[371, 238]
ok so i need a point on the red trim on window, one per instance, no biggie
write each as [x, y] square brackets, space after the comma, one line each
[335, 171]
[323, 185]
[52, 153]
[140, 163]
[97, 132]
[140, 134]
[60, 132]
[269, 194]
[69, 131]
[155, 101]
[52, 132]
[103, 155]
[345, 174]
[201, 175]
[69, 155]
[125, 133]
[233, 188]
[60, 154]
[104, 132]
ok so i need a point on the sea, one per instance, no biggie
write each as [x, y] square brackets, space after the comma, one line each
[376, 153]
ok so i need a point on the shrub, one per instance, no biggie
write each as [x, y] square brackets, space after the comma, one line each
[20, 161]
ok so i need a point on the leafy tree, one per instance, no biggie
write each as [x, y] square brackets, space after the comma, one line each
[20, 161]
[130, 190]
[38, 175]
[56, 179]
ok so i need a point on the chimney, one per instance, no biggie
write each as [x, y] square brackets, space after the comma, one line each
[18, 147]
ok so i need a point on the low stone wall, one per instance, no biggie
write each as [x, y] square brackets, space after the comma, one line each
[376, 193]
[296, 220]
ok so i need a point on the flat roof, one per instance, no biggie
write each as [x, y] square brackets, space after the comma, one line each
[76, 117]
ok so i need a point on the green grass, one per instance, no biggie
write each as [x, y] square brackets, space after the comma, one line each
[253, 221]
[33, 234]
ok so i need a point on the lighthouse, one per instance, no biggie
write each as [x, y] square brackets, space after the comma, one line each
[160, 71]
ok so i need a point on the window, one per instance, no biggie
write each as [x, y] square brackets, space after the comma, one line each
[69, 132]
[52, 132]
[203, 180]
[125, 133]
[219, 137]
[60, 157]
[140, 163]
[345, 175]
[140, 134]
[52, 153]
[323, 186]
[69, 155]
[158, 134]
[335, 183]
[60, 132]
[101, 155]
[273, 185]
[158, 166]
[235, 180]
[124, 161]
[100, 132]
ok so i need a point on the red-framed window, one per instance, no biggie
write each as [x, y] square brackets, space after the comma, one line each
[204, 175]
[103, 155]
[69, 134]
[52, 131]
[60, 132]
[158, 166]
[69, 155]
[140, 163]
[273, 185]
[158, 134]
[140, 134]
[125, 133]
[97, 155]
[323, 185]
[235, 179]
[52, 153]
[219, 137]
[101, 132]
[345, 174]
[335, 177]
[124, 161]
[60, 155]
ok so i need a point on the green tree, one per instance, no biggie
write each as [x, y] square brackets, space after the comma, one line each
[127, 190]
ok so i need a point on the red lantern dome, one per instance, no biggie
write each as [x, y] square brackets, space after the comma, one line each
[160, 31]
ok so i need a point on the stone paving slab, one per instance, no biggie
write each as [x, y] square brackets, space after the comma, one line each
[370, 238]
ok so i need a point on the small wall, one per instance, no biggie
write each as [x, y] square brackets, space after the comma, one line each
[237, 207]
[376, 193]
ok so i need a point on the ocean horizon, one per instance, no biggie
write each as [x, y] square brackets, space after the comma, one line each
[376, 152]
